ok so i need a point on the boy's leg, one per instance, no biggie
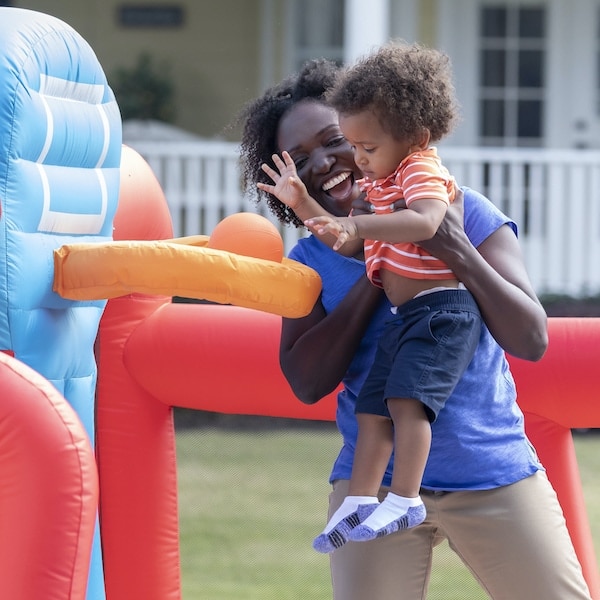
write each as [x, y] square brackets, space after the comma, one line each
[394, 567]
[374, 447]
[402, 507]
[431, 354]
[412, 441]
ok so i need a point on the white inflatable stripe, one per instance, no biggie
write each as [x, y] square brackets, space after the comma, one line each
[92, 93]
[71, 223]
[49, 132]
[106, 134]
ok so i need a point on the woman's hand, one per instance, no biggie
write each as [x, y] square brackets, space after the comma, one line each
[361, 206]
[443, 244]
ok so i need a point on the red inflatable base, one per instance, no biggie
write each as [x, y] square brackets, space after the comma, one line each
[49, 490]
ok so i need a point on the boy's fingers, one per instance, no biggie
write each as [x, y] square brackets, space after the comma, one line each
[270, 172]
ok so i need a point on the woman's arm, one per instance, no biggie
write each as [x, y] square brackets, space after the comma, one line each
[496, 276]
[315, 351]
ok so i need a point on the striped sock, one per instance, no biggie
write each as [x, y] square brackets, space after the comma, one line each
[393, 514]
[353, 510]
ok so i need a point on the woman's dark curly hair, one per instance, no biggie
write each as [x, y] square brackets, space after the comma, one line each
[261, 118]
[408, 87]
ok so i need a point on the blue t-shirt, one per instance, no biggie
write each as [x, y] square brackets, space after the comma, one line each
[478, 440]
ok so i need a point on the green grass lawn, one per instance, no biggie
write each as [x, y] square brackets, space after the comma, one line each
[252, 501]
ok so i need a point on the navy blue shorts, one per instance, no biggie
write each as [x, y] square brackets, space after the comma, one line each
[423, 351]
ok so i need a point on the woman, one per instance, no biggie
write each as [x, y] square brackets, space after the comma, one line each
[484, 489]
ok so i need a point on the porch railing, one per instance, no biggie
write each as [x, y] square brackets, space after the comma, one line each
[553, 195]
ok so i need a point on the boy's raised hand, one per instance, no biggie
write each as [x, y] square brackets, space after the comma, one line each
[343, 228]
[288, 187]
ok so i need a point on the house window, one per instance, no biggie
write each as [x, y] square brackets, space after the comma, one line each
[150, 16]
[318, 29]
[512, 75]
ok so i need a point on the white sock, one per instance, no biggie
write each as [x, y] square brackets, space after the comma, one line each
[392, 507]
[348, 506]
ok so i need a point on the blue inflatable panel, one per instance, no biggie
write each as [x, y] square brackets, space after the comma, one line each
[60, 152]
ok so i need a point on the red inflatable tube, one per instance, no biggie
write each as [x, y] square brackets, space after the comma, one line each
[135, 437]
[554, 445]
[135, 442]
[49, 489]
[562, 386]
[185, 355]
[557, 394]
[217, 358]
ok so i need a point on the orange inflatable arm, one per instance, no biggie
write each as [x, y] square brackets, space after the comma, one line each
[186, 268]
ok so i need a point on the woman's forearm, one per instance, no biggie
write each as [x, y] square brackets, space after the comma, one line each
[496, 276]
[316, 351]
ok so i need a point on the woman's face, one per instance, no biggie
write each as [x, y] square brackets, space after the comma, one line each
[310, 132]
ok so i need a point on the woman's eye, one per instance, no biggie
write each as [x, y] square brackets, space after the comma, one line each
[300, 162]
[337, 140]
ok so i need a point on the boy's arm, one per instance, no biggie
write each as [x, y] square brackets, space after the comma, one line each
[289, 188]
[419, 222]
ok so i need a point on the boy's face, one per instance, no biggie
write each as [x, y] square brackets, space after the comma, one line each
[376, 153]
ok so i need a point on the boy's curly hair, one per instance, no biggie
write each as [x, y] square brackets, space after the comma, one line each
[408, 86]
[261, 118]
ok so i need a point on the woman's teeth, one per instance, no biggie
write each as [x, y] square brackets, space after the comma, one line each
[335, 181]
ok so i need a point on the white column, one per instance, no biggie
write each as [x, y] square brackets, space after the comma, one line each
[267, 30]
[366, 26]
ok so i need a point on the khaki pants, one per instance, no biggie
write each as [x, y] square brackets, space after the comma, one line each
[513, 539]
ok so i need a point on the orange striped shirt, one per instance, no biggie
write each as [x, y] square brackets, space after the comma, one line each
[420, 175]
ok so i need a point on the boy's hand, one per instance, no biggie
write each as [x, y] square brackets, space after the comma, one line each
[288, 187]
[343, 228]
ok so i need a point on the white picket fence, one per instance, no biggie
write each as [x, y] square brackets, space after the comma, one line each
[553, 195]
